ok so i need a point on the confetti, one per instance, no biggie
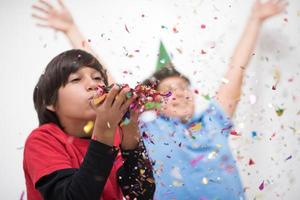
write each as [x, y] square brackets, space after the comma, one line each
[261, 186]
[195, 127]
[88, 127]
[279, 111]
[175, 30]
[204, 180]
[252, 99]
[251, 162]
[233, 132]
[288, 158]
[254, 134]
[203, 26]
[126, 29]
[225, 80]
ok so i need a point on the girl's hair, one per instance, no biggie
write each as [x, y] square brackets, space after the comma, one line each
[167, 71]
[56, 75]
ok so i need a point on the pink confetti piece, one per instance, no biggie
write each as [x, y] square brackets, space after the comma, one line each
[22, 195]
[175, 30]
[262, 185]
[196, 160]
[203, 26]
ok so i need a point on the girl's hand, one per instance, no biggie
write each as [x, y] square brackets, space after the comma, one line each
[49, 16]
[110, 113]
[263, 11]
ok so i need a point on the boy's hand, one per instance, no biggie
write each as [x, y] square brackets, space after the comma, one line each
[262, 11]
[49, 16]
[131, 134]
[110, 113]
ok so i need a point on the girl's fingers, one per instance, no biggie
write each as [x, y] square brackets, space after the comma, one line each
[39, 17]
[38, 8]
[48, 5]
[61, 3]
[111, 96]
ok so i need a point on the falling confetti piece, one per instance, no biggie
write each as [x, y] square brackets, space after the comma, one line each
[288, 158]
[88, 127]
[252, 99]
[22, 195]
[233, 132]
[203, 26]
[207, 97]
[175, 30]
[272, 136]
[163, 27]
[251, 162]
[212, 155]
[177, 183]
[279, 111]
[205, 180]
[254, 134]
[195, 127]
[196, 160]
[126, 29]
[203, 52]
[261, 186]
[225, 80]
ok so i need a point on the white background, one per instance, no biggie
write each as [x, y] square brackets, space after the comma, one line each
[26, 49]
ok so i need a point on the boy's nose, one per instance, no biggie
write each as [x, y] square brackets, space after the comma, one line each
[91, 85]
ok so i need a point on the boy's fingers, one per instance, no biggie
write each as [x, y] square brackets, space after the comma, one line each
[127, 103]
[121, 98]
[111, 95]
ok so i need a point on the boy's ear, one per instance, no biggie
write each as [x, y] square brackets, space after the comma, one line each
[51, 108]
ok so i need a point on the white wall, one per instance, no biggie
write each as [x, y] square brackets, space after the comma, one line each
[25, 51]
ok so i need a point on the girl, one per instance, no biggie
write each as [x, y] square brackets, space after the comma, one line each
[61, 161]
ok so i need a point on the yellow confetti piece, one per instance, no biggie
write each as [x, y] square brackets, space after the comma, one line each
[196, 127]
[88, 127]
[212, 155]
[177, 183]
[142, 171]
[219, 146]
[205, 180]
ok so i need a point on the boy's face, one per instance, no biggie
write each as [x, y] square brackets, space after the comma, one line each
[181, 103]
[73, 102]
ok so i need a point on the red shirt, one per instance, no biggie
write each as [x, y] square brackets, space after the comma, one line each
[48, 149]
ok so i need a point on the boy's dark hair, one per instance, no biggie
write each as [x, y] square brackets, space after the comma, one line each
[167, 71]
[56, 75]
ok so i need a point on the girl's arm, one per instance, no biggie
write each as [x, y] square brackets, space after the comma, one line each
[229, 92]
[60, 19]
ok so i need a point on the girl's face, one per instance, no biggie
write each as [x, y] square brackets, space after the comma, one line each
[73, 102]
[181, 103]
